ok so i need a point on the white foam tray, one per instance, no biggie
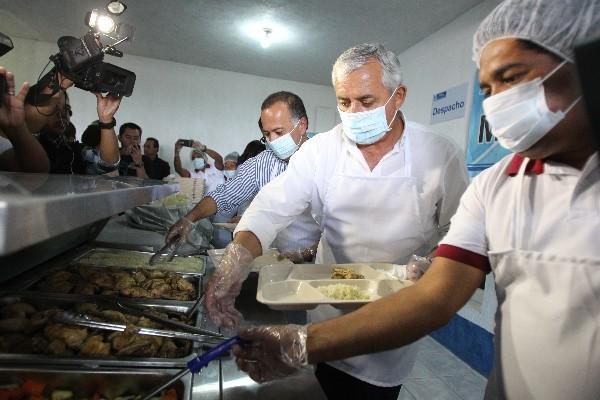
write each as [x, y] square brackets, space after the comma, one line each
[296, 286]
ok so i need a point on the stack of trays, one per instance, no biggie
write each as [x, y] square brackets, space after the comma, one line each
[305, 286]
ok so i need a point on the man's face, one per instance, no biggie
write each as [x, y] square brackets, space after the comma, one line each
[130, 137]
[277, 121]
[149, 149]
[363, 90]
[505, 63]
[230, 165]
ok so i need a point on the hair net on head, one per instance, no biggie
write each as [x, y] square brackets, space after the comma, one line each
[233, 156]
[556, 25]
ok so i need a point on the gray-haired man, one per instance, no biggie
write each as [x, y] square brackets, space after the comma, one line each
[381, 188]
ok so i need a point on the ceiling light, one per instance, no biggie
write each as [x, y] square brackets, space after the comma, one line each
[100, 22]
[265, 42]
[116, 7]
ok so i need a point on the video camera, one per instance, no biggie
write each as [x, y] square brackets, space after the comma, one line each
[81, 59]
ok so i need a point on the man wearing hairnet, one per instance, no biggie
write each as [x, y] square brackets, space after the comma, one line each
[381, 187]
[533, 219]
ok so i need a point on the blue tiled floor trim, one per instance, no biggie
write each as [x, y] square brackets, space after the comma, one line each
[469, 342]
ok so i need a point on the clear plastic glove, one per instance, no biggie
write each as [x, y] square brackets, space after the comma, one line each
[416, 267]
[273, 352]
[225, 285]
[179, 232]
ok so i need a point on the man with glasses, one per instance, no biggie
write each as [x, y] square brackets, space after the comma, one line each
[283, 122]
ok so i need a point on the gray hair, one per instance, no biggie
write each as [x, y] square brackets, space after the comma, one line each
[359, 55]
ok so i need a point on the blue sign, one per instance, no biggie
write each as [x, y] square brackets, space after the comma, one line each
[483, 149]
[449, 104]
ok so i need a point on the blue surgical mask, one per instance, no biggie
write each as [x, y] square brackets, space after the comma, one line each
[229, 174]
[366, 127]
[284, 146]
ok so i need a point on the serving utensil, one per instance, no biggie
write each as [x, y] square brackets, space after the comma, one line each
[84, 320]
[165, 254]
[197, 363]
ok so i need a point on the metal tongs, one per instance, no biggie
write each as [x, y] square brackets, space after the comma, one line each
[84, 320]
[197, 363]
[165, 254]
[140, 311]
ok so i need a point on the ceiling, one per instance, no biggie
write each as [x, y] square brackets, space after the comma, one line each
[213, 33]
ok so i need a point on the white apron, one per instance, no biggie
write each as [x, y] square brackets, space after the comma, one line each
[301, 234]
[547, 334]
[371, 219]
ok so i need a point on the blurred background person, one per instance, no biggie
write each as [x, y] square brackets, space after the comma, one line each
[211, 172]
[131, 164]
[155, 167]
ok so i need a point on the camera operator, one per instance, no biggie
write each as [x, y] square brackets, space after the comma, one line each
[19, 151]
[132, 163]
[211, 172]
[48, 112]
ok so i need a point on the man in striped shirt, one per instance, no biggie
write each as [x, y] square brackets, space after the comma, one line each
[283, 122]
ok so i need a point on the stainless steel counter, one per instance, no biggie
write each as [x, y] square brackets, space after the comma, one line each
[36, 209]
[235, 384]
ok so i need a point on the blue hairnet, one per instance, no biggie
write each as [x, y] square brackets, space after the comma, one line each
[555, 25]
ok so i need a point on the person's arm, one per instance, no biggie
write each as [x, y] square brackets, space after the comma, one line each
[398, 319]
[27, 153]
[138, 162]
[177, 162]
[217, 157]
[107, 106]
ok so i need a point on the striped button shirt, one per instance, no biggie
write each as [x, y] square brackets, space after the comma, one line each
[251, 176]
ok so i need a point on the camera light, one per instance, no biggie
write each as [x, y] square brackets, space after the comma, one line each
[100, 22]
[116, 7]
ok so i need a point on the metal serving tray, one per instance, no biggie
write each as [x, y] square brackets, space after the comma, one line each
[114, 257]
[110, 382]
[49, 301]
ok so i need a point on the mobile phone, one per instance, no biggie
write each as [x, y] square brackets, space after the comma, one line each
[186, 142]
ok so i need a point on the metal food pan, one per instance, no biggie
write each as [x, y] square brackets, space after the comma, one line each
[116, 257]
[31, 281]
[50, 301]
[110, 382]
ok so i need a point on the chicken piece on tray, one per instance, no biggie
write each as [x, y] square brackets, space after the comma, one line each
[95, 346]
[136, 292]
[72, 336]
[345, 273]
[13, 324]
[17, 310]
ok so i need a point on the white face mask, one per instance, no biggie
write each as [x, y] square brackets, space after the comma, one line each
[520, 117]
[284, 146]
[366, 127]
[198, 163]
[229, 174]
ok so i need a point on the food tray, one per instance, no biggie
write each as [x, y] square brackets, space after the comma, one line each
[34, 282]
[298, 287]
[139, 259]
[66, 302]
[110, 382]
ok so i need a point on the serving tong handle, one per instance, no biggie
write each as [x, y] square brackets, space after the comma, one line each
[197, 363]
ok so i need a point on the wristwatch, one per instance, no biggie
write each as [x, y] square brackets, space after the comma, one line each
[107, 125]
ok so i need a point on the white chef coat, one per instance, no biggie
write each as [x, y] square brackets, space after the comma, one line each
[439, 175]
[212, 176]
[540, 234]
